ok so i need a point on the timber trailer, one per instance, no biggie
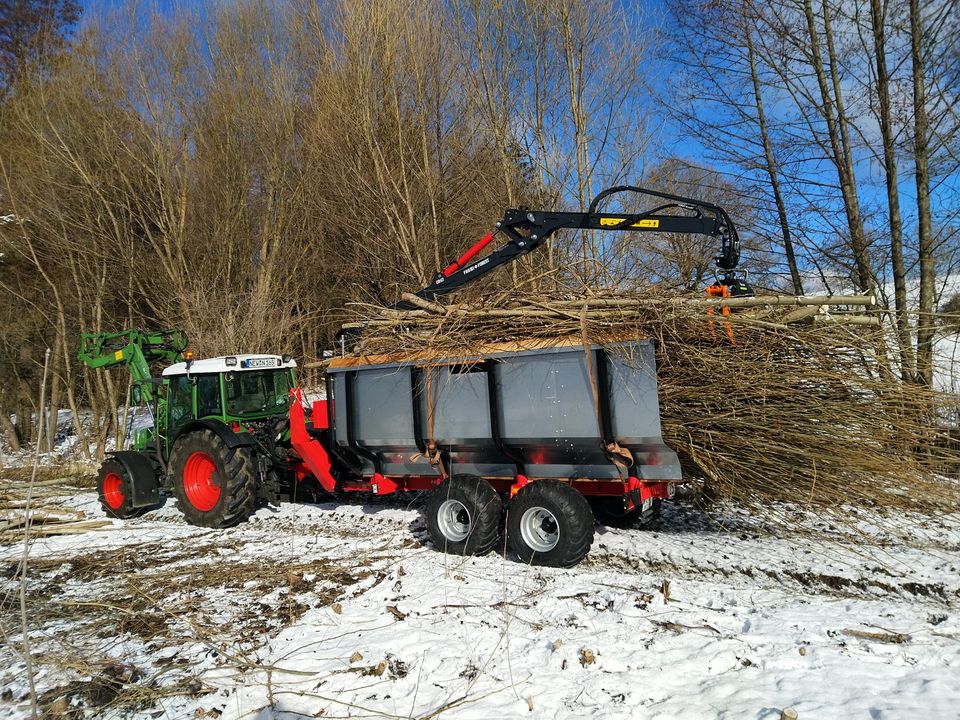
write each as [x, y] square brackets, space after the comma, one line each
[559, 435]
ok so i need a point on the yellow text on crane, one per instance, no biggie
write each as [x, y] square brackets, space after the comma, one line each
[645, 223]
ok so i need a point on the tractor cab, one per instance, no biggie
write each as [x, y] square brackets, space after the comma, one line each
[232, 389]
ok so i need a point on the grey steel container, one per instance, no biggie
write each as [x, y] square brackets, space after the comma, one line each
[533, 412]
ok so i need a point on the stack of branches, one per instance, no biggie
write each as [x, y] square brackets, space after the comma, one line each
[34, 505]
[785, 399]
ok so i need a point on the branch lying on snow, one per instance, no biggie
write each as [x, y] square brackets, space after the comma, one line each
[678, 628]
[14, 531]
[887, 637]
[17, 514]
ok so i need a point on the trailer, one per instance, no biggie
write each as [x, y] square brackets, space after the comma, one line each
[536, 432]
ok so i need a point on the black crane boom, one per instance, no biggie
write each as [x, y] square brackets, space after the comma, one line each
[526, 230]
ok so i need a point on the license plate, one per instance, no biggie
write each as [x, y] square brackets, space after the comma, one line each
[261, 363]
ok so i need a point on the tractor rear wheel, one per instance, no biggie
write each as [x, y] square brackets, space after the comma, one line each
[550, 523]
[215, 485]
[463, 516]
[114, 487]
[609, 511]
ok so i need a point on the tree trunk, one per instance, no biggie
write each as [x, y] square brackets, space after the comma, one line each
[925, 323]
[771, 166]
[842, 157]
[83, 441]
[25, 412]
[9, 430]
[56, 384]
[902, 320]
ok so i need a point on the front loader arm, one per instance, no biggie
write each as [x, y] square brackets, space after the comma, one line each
[135, 349]
[526, 230]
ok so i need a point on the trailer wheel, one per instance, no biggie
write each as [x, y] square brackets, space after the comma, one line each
[463, 516]
[114, 486]
[550, 523]
[215, 485]
[609, 511]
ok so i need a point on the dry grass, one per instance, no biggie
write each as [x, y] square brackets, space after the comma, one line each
[800, 407]
[149, 604]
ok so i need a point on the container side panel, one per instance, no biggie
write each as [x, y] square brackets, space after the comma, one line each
[462, 427]
[341, 408]
[548, 397]
[634, 406]
[635, 410]
[461, 406]
[383, 408]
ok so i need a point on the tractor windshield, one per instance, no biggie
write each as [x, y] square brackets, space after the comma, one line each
[257, 392]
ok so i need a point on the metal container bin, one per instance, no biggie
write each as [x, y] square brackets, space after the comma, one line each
[537, 412]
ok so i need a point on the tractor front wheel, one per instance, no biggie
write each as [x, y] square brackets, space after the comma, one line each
[115, 488]
[215, 485]
[550, 523]
[463, 516]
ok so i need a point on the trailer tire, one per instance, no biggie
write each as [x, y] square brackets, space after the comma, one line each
[550, 523]
[215, 484]
[607, 512]
[463, 516]
[115, 490]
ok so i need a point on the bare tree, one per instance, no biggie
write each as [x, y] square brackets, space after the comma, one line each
[724, 89]
[584, 123]
[878, 21]
[926, 327]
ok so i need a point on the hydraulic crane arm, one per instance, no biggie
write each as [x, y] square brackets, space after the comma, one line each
[135, 349]
[526, 230]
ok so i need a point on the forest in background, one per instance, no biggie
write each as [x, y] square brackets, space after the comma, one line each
[245, 169]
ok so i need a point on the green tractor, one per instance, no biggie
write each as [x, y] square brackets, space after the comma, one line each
[217, 418]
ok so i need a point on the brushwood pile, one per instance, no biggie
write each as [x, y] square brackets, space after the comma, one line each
[784, 400]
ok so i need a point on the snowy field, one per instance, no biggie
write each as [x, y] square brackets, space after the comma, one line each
[345, 610]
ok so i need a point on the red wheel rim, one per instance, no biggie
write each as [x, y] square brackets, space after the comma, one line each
[198, 482]
[113, 490]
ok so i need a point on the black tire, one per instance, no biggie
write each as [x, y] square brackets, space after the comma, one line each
[463, 516]
[114, 487]
[546, 508]
[609, 511]
[215, 485]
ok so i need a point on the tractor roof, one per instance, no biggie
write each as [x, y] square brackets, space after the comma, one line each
[230, 363]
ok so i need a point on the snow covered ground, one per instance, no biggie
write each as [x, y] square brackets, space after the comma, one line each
[345, 610]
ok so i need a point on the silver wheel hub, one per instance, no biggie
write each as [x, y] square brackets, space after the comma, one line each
[454, 520]
[539, 529]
